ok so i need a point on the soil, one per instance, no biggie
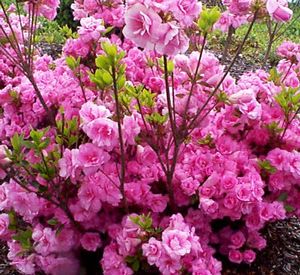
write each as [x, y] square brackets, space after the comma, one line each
[5, 268]
[52, 49]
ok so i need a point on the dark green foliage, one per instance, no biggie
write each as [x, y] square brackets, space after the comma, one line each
[65, 16]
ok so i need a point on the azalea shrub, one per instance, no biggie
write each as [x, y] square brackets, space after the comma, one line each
[136, 151]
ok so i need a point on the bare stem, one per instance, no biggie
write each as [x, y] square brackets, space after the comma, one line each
[122, 147]
[272, 35]
[227, 43]
[194, 80]
[169, 103]
[288, 71]
[288, 123]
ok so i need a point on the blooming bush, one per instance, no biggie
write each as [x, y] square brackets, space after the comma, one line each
[131, 147]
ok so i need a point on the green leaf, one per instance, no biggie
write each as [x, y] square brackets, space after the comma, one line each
[267, 166]
[71, 62]
[296, 99]
[157, 118]
[109, 49]
[102, 62]
[72, 140]
[59, 229]
[24, 238]
[288, 208]
[16, 142]
[107, 78]
[283, 196]
[274, 128]
[12, 220]
[44, 144]
[52, 222]
[208, 18]
[121, 82]
[214, 15]
[130, 259]
[207, 140]
[170, 66]
[108, 30]
[275, 76]
[29, 144]
[135, 266]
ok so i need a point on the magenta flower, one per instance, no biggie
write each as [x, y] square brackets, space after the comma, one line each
[152, 250]
[90, 241]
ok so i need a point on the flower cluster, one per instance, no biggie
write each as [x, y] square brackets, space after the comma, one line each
[239, 12]
[150, 146]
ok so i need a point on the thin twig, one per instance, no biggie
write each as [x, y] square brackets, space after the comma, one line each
[121, 141]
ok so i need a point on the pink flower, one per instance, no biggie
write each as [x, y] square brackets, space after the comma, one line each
[89, 197]
[45, 240]
[4, 160]
[256, 241]
[91, 157]
[231, 201]
[209, 206]
[238, 7]
[90, 111]
[90, 29]
[229, 181]
[152, 250]
[173, 42]
[25, 265]
[3, 196]
[113, 263]
[69, 165]
[249, 256]
[4, 223]
[279, 11]
[168, 265]
[189, 185]
[279, 158]
[235, 256]
[185, 11]
[143, 26]
[176, 243]
[46, 8]
[157, 202]
[224, 22]
[103, 133]
[243, 192]
[90, 241]
[266, 212]
[5, 96]
[109, 190]
[237, 240]
[131, 129]
[59, 265]
[288, 49]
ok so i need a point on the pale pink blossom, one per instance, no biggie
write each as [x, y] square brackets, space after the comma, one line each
[176, 243]
[279, 11]
[152, 250]
[143, 26]
[103, 133]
